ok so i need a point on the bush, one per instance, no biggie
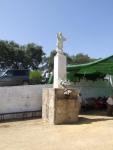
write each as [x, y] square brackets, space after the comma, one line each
[35, 77]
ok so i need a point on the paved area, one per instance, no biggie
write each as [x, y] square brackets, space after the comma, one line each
[92, 132]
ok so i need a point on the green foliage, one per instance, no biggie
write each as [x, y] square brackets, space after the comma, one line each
[81, 59]
[34, 53]
[13, 54]
[51, 60]
[35, 77]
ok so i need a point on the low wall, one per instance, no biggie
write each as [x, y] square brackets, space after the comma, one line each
[28, 98]
[21, 98]
[94, 88]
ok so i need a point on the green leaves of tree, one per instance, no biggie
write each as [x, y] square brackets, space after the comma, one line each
[80, 58]
[13, 54]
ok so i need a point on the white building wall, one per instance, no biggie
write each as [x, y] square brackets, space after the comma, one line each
[21, 98]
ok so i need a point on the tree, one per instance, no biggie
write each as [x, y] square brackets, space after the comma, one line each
[81, 59]
[7, 53]
[51, 59]
[13, 55]
[77, 59]
[69, 58]
[34, 53]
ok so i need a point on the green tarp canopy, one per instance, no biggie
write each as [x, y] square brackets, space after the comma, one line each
[93, 70]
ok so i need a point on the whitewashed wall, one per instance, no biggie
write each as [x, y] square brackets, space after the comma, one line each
[94, 88]
[21, 98]
[29, 98]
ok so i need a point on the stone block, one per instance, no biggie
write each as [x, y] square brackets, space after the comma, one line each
[58, 108]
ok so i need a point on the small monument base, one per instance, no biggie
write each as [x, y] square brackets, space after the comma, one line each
[58, 108]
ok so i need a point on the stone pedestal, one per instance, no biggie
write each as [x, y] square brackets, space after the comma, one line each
[59, 69]
[58, 108]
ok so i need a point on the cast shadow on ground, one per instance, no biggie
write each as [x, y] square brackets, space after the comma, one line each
[91, 116]
[95, 112]
[84, 120]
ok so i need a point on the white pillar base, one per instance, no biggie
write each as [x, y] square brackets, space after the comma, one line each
[59, 69]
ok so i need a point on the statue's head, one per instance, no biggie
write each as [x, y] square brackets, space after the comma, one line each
[60, 33]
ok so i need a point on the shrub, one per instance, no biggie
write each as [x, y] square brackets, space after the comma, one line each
[35, 77]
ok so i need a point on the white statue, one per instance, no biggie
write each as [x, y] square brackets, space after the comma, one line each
[60, 40]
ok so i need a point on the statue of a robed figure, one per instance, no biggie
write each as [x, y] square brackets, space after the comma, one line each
[59, 44]
[60, 104]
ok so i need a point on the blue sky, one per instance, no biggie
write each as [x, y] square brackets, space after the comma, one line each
[87, 24]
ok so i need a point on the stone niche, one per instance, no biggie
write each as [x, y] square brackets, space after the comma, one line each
[58, 108]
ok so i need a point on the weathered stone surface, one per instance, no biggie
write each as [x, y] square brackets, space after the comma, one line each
[58, 108]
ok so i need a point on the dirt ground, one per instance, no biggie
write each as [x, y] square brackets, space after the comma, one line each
[94, 131]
